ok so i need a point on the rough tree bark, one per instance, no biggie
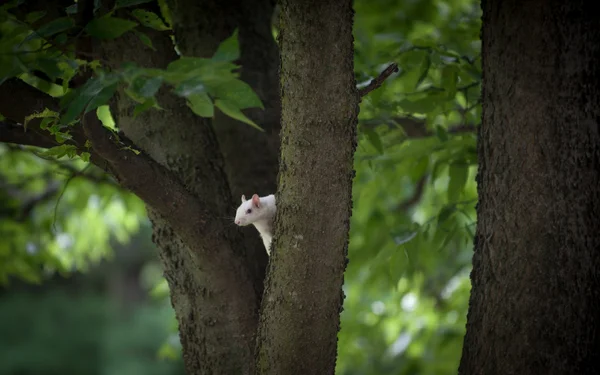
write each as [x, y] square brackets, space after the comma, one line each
[303, 295]
[535, 302]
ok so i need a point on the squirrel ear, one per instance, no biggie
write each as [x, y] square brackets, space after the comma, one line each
[256, 201]
[243, 198]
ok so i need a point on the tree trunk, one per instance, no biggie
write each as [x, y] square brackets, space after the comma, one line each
[303, 297]
[212, 290]
[535, 300]
[216, 284]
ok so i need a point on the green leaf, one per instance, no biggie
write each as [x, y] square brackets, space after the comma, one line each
[419, 168]
[445, 214]
[165, 12]
[209, 71]
[69, 69]
[145, 39]
[47, 122]
[458, 173]
[229, 49]
[62, 137]
[374, 139]
[34, 16]
[94, 93]
[85, 156]
[441, 133]
[449, 79]
[447, 238]
[46, 113]
[146, 105]
[49, 66]
[107, 27]
[55, 26]
[411, 150]
[400, 238]
[234, 112]
[188, 64]
[167, 352]
[238, 93]
[424, 69]
[160, 290]
[146, 87]
[422, 105]
[149, 19]
[102, 98]
[60, 151]
[201, 105]
[190, 87]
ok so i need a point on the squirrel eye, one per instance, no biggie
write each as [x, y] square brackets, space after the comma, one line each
[249, 211]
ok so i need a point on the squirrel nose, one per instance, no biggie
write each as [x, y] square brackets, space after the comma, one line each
[237, 222]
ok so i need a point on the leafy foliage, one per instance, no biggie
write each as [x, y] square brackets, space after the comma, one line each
[58, 214]
[407, 283]
[203, 82]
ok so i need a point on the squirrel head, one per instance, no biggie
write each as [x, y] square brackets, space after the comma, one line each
[250, 211]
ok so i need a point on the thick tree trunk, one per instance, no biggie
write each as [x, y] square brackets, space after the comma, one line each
[212, 290]
[216, 284]
[535, 302]
[303, 297]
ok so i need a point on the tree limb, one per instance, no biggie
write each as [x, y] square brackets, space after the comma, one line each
[19, 100]
[12, 132]
[70, 171]
[137, 173]
[153, 183]
[415, 197]
[378, 81]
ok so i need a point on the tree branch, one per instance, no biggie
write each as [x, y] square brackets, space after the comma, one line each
[101, 177]
[378, 81]
[153, 183]
[415, 197]
[19, 100]
[12, 132]
[138, 173]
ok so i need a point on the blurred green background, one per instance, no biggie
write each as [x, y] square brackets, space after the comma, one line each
[82, 291]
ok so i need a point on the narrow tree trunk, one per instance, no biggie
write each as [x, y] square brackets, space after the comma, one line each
[303, 298]
[535, 302]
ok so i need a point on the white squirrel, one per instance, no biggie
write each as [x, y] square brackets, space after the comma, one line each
[259, 211]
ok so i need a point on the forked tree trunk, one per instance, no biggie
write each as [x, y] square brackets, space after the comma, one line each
[303, 296]
[216, 285]
[535, 301]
